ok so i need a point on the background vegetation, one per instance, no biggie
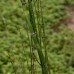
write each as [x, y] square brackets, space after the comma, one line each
[15, 56]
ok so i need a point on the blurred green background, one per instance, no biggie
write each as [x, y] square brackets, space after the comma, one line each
[14, 43]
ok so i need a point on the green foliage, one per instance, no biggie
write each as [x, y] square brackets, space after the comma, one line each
[14, 44]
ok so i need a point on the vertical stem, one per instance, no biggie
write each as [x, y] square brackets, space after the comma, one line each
[36, 35]
[44, 38]
[35, 38]
[32, 57]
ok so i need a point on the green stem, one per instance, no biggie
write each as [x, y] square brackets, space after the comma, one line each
[36, 39]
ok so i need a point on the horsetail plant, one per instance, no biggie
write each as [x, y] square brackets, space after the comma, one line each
[32, 67]
[37, 32]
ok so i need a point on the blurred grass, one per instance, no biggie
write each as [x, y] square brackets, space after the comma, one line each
[14, 45]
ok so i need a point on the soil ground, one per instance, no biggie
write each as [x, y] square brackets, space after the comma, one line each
[70, 12]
